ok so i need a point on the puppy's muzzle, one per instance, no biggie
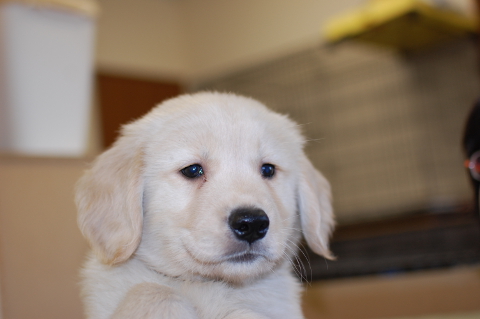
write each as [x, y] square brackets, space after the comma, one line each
[249, 224]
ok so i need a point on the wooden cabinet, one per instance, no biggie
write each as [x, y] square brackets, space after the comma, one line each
[435, 294]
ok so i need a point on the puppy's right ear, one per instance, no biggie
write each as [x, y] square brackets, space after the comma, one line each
[109, 202]
[315, 206]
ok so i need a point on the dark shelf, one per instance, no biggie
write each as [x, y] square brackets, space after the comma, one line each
[416, 242]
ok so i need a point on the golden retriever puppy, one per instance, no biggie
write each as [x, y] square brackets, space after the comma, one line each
[196, 212]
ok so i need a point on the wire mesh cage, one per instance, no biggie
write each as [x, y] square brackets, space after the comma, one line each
[383, 127]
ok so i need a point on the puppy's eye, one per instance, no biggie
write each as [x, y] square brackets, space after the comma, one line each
[268, 170]
[192, 171]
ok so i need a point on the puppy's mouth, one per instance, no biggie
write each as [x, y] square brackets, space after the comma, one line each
[243, 258]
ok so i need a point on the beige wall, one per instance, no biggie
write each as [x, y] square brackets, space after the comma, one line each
[229, 35]
[197, 39]
[144, 37]
[41, 248]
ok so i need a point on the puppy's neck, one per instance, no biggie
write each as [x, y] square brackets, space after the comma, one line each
[183, 278]
[204, 280]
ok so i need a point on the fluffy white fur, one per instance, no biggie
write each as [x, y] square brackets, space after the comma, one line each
[161, 244]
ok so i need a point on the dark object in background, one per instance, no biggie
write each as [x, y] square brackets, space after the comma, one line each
[418, 241]
[471, 145]
[123, 99]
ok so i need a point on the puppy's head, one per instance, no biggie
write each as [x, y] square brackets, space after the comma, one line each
[206, 185]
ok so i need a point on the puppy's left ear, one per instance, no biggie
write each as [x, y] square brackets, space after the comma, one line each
[315, 207]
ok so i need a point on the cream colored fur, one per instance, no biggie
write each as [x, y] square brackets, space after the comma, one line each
[161, 245]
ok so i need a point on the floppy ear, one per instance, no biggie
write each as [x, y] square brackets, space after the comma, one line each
[109, 202]
[315, 207]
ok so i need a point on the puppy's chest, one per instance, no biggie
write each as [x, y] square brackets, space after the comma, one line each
[214, 300]
[217, 300]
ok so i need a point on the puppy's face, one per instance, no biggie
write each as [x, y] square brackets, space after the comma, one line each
[220, 182]
[219, 198]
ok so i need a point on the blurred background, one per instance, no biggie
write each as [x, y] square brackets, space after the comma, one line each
[382, 88]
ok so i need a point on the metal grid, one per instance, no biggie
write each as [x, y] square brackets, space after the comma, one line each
[384, 128]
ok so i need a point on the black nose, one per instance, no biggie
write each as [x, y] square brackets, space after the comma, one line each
[249, 224]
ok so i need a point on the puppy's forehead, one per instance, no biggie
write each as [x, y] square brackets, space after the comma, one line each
[208, 121]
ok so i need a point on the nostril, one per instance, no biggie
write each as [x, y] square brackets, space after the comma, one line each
[243, 227]
[263, 227]
[249, 224]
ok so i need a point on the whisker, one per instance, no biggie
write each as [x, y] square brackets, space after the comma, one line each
[304, 124]
[316, 140]
[295, 266]
[300, 261]
[293, 216]
[307, 259]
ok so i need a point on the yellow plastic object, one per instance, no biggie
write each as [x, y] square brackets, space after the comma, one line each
[408, 25]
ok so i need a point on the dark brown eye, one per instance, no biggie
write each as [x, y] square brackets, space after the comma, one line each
[268, 170]
[192, 171]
